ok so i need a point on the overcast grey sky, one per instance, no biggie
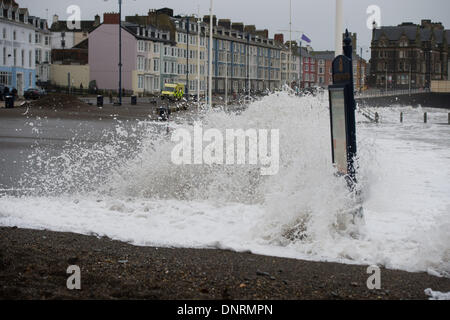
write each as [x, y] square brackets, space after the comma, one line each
[314, 17]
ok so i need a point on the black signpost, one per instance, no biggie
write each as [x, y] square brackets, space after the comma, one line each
[342, 114]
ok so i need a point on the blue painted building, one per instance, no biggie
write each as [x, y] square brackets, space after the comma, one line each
[18, 38]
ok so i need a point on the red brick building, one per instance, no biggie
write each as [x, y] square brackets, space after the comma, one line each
[309, 69]
[324, 60]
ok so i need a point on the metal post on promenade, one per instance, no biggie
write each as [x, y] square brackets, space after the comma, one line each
[210, 53]
[198, 61]
[187, 56]
[120, 52]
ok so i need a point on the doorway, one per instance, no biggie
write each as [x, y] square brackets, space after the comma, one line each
[20, 84]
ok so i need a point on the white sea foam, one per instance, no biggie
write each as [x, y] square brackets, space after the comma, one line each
[129, 190]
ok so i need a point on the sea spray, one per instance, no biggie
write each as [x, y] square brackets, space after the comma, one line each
[126, 187]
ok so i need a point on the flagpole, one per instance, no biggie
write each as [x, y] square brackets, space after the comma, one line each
[300, 78]
[339, 27]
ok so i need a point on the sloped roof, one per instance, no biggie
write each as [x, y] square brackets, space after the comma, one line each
[132, 27]
[60, 26]
[326, 55]
[395, 33]
[304, 53]
[9, 2]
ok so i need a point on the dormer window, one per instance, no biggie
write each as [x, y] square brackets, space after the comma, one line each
[9, 14]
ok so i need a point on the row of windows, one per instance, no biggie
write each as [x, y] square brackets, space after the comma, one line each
[148, 83]
[180, 69]
[22, 57]
[193, 39]
[146, 46]
[38, 38]
[310, 77]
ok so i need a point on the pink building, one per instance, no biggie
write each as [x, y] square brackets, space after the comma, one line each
[104, 54]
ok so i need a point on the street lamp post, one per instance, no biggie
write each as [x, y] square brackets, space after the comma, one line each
[226, 74]
[210, 52]
[120, 52]
[187, 56]
[248, 65]
[198, 61]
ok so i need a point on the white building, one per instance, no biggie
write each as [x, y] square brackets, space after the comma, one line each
[43, 48]
[66, 36]
[17, 47]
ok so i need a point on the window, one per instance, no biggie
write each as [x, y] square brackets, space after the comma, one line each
[140, 63]
[15, 57]
[4, 56]
[38, 56]
[30, 38]
[47, 41]
[156, 83]
[30, 59]
[22, 56]
[14, 35]
[5, 78]
[140, 82]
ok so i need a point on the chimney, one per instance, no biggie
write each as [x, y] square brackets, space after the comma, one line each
[225, 23]
[279, 37]
[111, 18]
[250, 29]
[263, 33]
[237, 26]
[55, 18]
[206, 19]
[97, 20]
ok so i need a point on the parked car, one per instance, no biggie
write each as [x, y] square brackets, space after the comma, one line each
[2, 92]
[33, 94]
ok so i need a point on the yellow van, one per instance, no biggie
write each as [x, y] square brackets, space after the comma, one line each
[173, 91]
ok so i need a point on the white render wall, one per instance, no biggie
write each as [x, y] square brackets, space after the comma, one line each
[69, 37]
[22, 42]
